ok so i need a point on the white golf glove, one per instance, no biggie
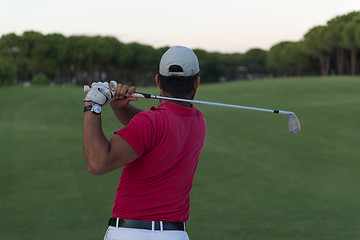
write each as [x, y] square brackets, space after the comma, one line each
[100, 93]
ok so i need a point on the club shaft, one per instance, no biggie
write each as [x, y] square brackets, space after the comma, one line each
[146, 95]
[293, 122]
[221, 104]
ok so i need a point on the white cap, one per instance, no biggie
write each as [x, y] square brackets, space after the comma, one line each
[182, 57]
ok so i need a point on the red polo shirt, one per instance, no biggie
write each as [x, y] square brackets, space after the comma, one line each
[156, 186]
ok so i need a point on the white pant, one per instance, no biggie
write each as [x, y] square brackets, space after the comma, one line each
[120, 233]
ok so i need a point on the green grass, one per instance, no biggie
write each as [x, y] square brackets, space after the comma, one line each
[255, 180]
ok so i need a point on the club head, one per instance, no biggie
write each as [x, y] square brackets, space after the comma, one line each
[293, 124]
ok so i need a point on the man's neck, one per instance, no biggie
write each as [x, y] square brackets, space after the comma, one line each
[184, 104]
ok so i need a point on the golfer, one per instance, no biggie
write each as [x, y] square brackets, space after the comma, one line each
[158, 149]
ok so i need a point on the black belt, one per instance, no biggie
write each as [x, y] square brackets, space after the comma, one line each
[148, 225]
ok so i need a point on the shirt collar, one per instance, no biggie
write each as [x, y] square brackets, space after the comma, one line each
[176, 108]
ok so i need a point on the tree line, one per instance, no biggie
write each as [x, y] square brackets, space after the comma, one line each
[329, 49]
[39, 58]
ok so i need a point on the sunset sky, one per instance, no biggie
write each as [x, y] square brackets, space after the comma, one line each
[224, 26]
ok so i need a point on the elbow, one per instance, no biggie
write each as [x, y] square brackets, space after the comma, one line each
[95, 171]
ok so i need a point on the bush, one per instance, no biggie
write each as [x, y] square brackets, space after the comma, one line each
[40, 79]
[7, 72]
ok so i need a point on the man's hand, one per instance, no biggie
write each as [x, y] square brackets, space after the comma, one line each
[100, 93]
[122, 95]
[120, 103]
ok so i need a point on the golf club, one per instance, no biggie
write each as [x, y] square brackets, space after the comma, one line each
[293, 122]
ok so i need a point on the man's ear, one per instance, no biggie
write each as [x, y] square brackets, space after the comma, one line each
[157, 81]
[196, 83]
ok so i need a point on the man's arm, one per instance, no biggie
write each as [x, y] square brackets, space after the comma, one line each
[125, 114]
[101, 155]
[120, 103]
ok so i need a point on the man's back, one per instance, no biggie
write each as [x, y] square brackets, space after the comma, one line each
[156, 186]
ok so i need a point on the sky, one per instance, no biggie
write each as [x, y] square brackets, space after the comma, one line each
[226, 26]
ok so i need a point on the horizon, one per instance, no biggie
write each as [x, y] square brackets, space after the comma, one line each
[226, 27]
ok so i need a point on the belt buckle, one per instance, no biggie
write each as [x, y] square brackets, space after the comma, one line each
[156, 226]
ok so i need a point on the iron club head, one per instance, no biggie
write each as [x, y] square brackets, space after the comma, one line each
[293, 124]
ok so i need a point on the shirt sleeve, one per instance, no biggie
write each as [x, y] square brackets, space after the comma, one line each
[138, 133]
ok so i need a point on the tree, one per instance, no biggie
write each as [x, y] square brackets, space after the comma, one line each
[348, 38]
[116, 65]
[233, 64]
[339, 36]
[55, 62]
[289, 59]
[255, 60]
[12, 48]
[316, 43]
[79, 58]
[7, 72]
[275, 60]
[211, 66]
[37, 51]
[142, 62]
[100, 52]
[357, 34]
[298, 62]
